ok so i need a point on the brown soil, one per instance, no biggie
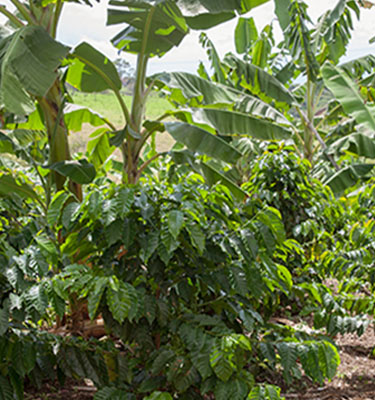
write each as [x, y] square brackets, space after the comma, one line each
[72, 390]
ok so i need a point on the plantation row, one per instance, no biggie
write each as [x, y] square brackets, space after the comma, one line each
[203, 272]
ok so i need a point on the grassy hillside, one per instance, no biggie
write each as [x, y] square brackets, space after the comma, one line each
[107, 105]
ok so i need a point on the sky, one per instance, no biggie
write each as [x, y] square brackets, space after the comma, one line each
[82, 23]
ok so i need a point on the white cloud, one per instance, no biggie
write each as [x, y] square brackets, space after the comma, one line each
[78, 21]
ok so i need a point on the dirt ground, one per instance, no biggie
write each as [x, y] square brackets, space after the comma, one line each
[72, 390]
[355, 379]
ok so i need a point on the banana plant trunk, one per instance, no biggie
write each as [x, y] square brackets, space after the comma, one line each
[131, 147]
[52, 106]
[131, 159]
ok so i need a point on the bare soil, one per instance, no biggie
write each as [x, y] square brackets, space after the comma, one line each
[72, 390]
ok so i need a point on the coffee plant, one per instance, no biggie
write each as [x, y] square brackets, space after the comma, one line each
[180, 281]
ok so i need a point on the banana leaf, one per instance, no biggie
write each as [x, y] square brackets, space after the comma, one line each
[347, 93]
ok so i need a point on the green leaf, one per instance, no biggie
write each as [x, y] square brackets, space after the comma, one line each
[120, 301]
[9, 185]
[165, 24]
[75, 116]
[161, 361]
[245, 35]
[271, 217]
[95, 296]
[285, 276]
[347, 93]
[220, 363]
[267, 392]
[111, 393]
[233, 389]
[281, 10]
[201, 359]
[357, 143]
[187, 87]
[222, 390]
[337, 26]
[99, 148]
[214, 58]
[213, 175]
[105, 393]
[29, 356]
[348, 177]
[219, 6]
[58, 303]
[197, 90]
[288, 357]
[175, 222]
[237, 123]
[38, 299]
[329, 359]
[91, 71]
[150, 309]
[197, 237]
[29, 68]
[4, 320]
[112, 231]
[259, 82]
[56, 206]
[193, 87]
[6, 392]
[79, 171]
[256, 107]
[309, 358]
[149, 245]
[299, 39]
[17, 383]
[202, 141]
[159, 396]
[162, 314]
[124, 201]
[208, 20]
[261, 50]
[169, 242]
[6, 144]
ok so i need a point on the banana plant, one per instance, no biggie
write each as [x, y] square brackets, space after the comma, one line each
[152, 29]
[290, 95]
[30, 80]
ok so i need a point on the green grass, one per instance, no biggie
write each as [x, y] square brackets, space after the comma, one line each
[107, 105]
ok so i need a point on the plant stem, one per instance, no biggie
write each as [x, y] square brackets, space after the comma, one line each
[11, 17]
[318, 97]
[308, 124]
[23, 11]
[139, 92]
[308, 133]
[130, 162]
[56, 17]
[148, 162]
